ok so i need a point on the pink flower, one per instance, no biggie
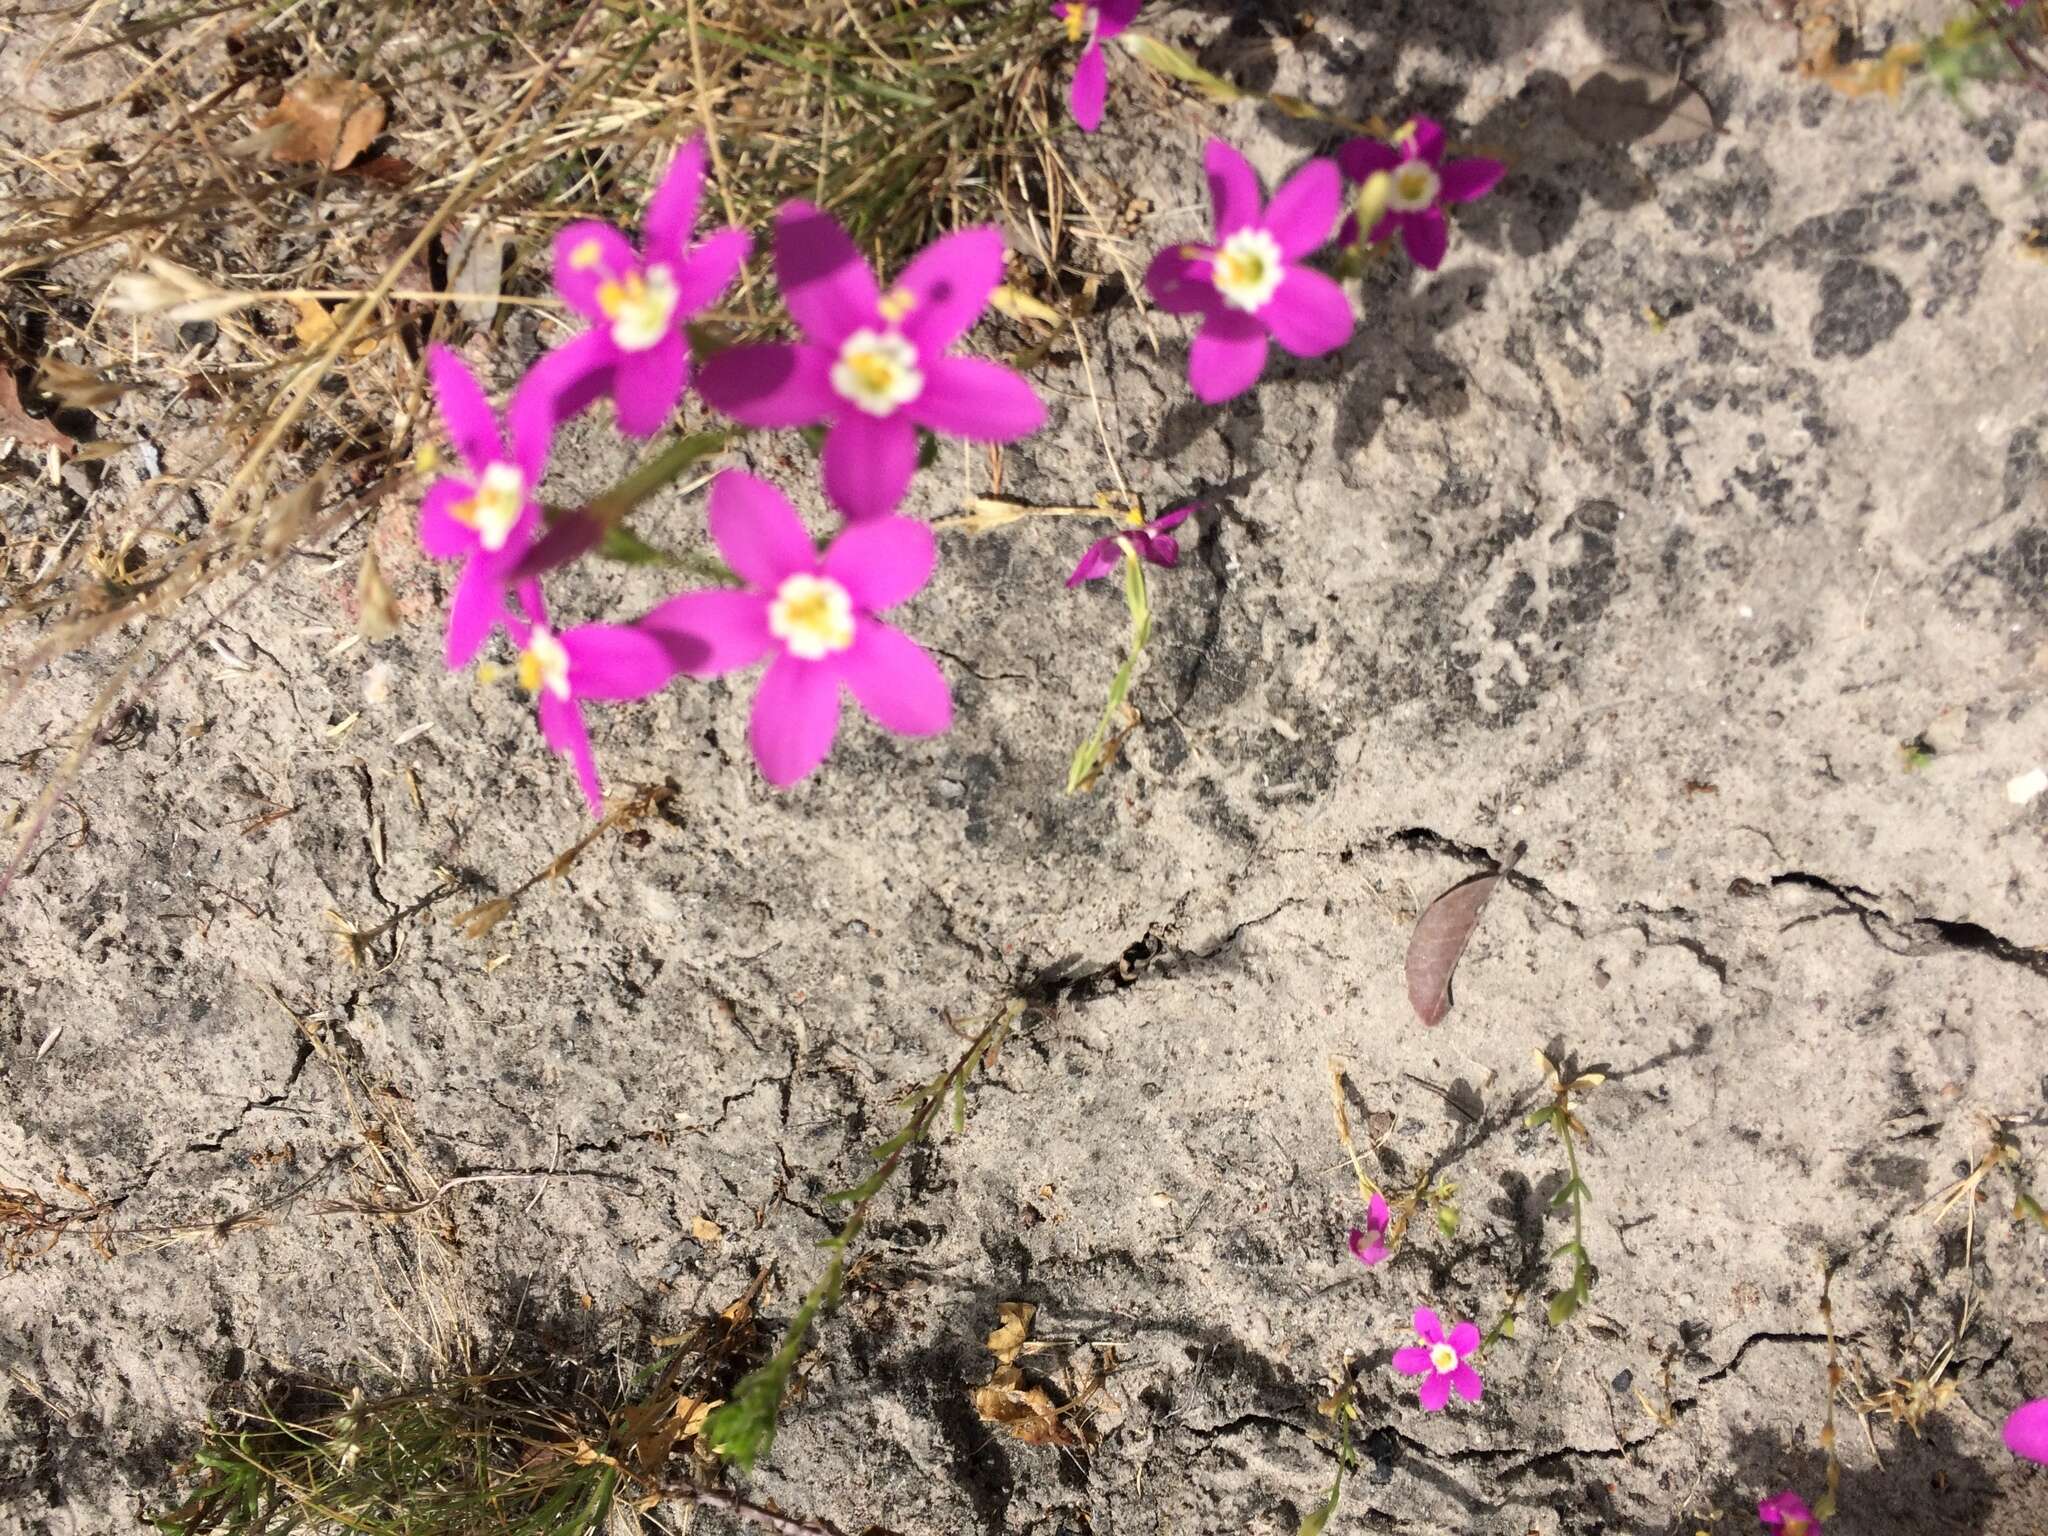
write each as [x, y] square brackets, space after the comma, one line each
[2026, 1432]
[816, 617]
[1422, 183]
[1370, 1252]
[640, 299]
[592, 661]
[1097, 23]
[1148, 541]
[874, 364]
[1440, 1361]
[1787, 1514]
[487, 518]
[1250, 283]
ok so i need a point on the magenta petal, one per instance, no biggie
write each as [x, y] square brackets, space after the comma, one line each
[2026, 1431]
[442, 535]
[1159, 548]
[1160, 524]
[1464, 1338]
[672, 211]
[826, 285]
[617, 661]
[1227, 356]
[1305, 208]
[1377, 1216]
[883, 561]
[1434, 1392]
[1426, 140]
[770, 385]
[1309, 313]
[562, 383]
[1428, 1326]
[473, 611]
[868, 462]
[981, 401]
[1360, 159]
[472, 424]
[1367, 1253]
[1100, 560]
[703, 276]
[1465, 181]
[757, 530]
[1467, 1381]
[949, 283]
[714, 632]
[1233, 187]
[587, 255]
[1412, 1361]
[561, 724]
[896, 681]
[795, 717]
[1775, 1511]
[646, 385]
[1113, 16]
[1090, 88]
[1178, 280]
[1427, 236]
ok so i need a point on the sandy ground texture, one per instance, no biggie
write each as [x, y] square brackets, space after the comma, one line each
[1645, 533]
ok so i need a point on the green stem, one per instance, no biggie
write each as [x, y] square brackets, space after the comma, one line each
[1081, 773]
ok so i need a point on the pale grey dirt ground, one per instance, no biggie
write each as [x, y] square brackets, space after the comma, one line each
[1517, 566]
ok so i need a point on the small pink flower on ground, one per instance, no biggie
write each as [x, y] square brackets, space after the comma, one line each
[1422, 183]
[1092, 25]
[1370, 1246]
[815, 617]
[1787, 1515]
[1440, 1361]
[1250, 283]
[592, 661]
[640, 299]
[488, 517]
[2026, 1431]
[1148, 541]
[874, 364]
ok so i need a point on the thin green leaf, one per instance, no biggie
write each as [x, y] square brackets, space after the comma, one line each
[1562, 1306]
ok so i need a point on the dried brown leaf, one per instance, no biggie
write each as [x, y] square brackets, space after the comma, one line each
[376, 608]
[75, 386]
[1023, 1413]
[1014, 1332]
[1624, 104]
[1440, 938]
[29, 431]
[332, 121]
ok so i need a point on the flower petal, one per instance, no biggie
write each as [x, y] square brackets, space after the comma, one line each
[1159, 548]
[472, 424]
[617, 661]
[795, 717]
[561, 384]
[561, 724]
[883, 561]
[2026, 1431]
[587, 255]
[1412, 1361]
[1112, 16]
[1100, 560]
[1467, 1381]
[1428, 1326]
[827, 286]
[1464, 1338]
[1090, 88]
[1233, 187]
[949, 282]
[1427, 236]
[1360, 158]
[1178, 280]
[1434, 1392]
[1465, 181]
[672, 210]
[757, 530]
[714, 632]
[1227, 356]
[1377, 1216]
[770, 385]
[1305, 208]
[896, 681]
[868, 462]
[981, 401]
[1425, 140]
[646, 385]
[476, 607]
[1367, 1253]
[708, 269]
[1174, 519]
[1309, 313]
[441, 535]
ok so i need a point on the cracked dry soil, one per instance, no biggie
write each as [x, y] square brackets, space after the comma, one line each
[1660, 601]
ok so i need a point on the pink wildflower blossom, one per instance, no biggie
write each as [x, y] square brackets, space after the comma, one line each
[1094, 24]
[640, 299]
[1440, 1361]
[816, 617]
[1148, 541]
[1250, 283]
[1786, 1514]
[2026, 1431]
[1423, 182]
[488, 517]
[874, 364]
[592, 661]
[1370, 1246]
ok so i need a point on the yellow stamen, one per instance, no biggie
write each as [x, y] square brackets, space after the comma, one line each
[613, 294]
[586, 255]
[1406, 132]
[897, 303]
[1076, 19]
[529, 671]
[427, 460]
[1240, 269]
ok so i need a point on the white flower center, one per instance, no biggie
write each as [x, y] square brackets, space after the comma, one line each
[499, 499]
[544, 663]
[641, 306]
[1443, 1359]
[1415, 187]
[812, 616]
[877, 371]
[1248, 269]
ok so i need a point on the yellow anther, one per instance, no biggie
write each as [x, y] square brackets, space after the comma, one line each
[897, 303]
[587, 254]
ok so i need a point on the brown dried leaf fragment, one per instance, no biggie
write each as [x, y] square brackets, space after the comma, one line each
[1005, 1341]
[80, 388]
[376, 608]
[329, 121]
[1440, 938]
[31, 432]
[1024, 1413]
